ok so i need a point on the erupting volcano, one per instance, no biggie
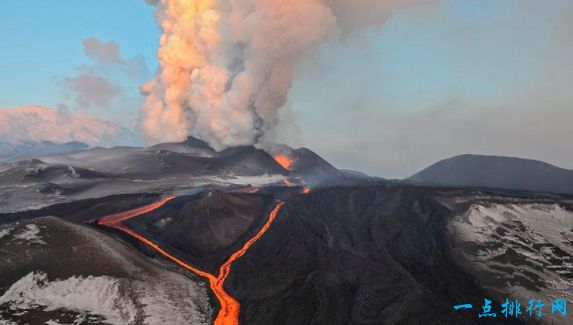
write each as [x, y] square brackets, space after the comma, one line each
[229, 307]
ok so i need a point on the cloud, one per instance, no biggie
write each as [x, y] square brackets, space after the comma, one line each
[91, 91]
[101, 84]
[108, 54]
[103, 52]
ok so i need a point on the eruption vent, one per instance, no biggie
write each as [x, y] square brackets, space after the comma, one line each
[226, 66]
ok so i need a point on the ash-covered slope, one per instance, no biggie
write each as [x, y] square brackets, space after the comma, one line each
[155, 163]
[37, 123]
[497, 172]
[204, 228]
[354, 256]
[102, 172]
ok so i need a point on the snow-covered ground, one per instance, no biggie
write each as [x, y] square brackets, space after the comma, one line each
[30, 234]
[526, 250]
[87, 295]
[117, 301]
[240, 180]
[6, 229]
[92, 279]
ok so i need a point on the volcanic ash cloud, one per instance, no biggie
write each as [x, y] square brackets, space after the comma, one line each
[226, 66]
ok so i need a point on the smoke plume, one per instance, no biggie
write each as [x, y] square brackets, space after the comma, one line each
[226, 66]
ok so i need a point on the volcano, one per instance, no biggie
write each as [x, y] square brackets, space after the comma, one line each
[183, 233]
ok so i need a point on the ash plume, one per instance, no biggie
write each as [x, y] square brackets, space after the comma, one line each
[226, 66]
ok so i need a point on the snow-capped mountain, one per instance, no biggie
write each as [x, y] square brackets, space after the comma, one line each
[29, 124]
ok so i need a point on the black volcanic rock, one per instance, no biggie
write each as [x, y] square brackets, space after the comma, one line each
[497, 172]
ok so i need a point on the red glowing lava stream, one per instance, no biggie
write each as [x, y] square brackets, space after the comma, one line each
[230, 307]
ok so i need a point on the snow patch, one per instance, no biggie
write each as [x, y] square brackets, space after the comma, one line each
[5, 230]
[526, 249]
[245, 180]
[52, 322]
[189, 306]
[31, 234]
[91, 295]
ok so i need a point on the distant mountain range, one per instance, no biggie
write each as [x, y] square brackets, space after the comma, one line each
[33, 124]
[27, 149]
[496, 172]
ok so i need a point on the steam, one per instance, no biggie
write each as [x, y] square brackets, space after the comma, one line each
[227, 66]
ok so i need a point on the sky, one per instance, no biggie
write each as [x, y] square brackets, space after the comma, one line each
[464, 76]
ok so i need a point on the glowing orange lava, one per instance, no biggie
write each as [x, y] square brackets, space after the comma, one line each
[284, 161]
[289, 183]
[116, 219]
[230, 307]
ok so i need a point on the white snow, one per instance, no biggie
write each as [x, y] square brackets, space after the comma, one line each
[119, 301]
[550, 222]
[6, 229]
[52, 322]
[526, 246]
[188, 306]
[30, 234]
[244, 180]
[93, 295]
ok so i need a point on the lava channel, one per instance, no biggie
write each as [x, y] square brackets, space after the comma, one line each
[230, 307]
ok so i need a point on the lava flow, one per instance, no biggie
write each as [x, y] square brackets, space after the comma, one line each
[301, 181]
[284, 160]
[230, 307]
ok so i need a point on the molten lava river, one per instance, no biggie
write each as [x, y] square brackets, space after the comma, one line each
[229, 311]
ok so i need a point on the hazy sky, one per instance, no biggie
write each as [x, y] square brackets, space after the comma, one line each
[464, 76]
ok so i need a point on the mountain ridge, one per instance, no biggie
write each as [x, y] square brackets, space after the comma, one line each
[512, 173]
